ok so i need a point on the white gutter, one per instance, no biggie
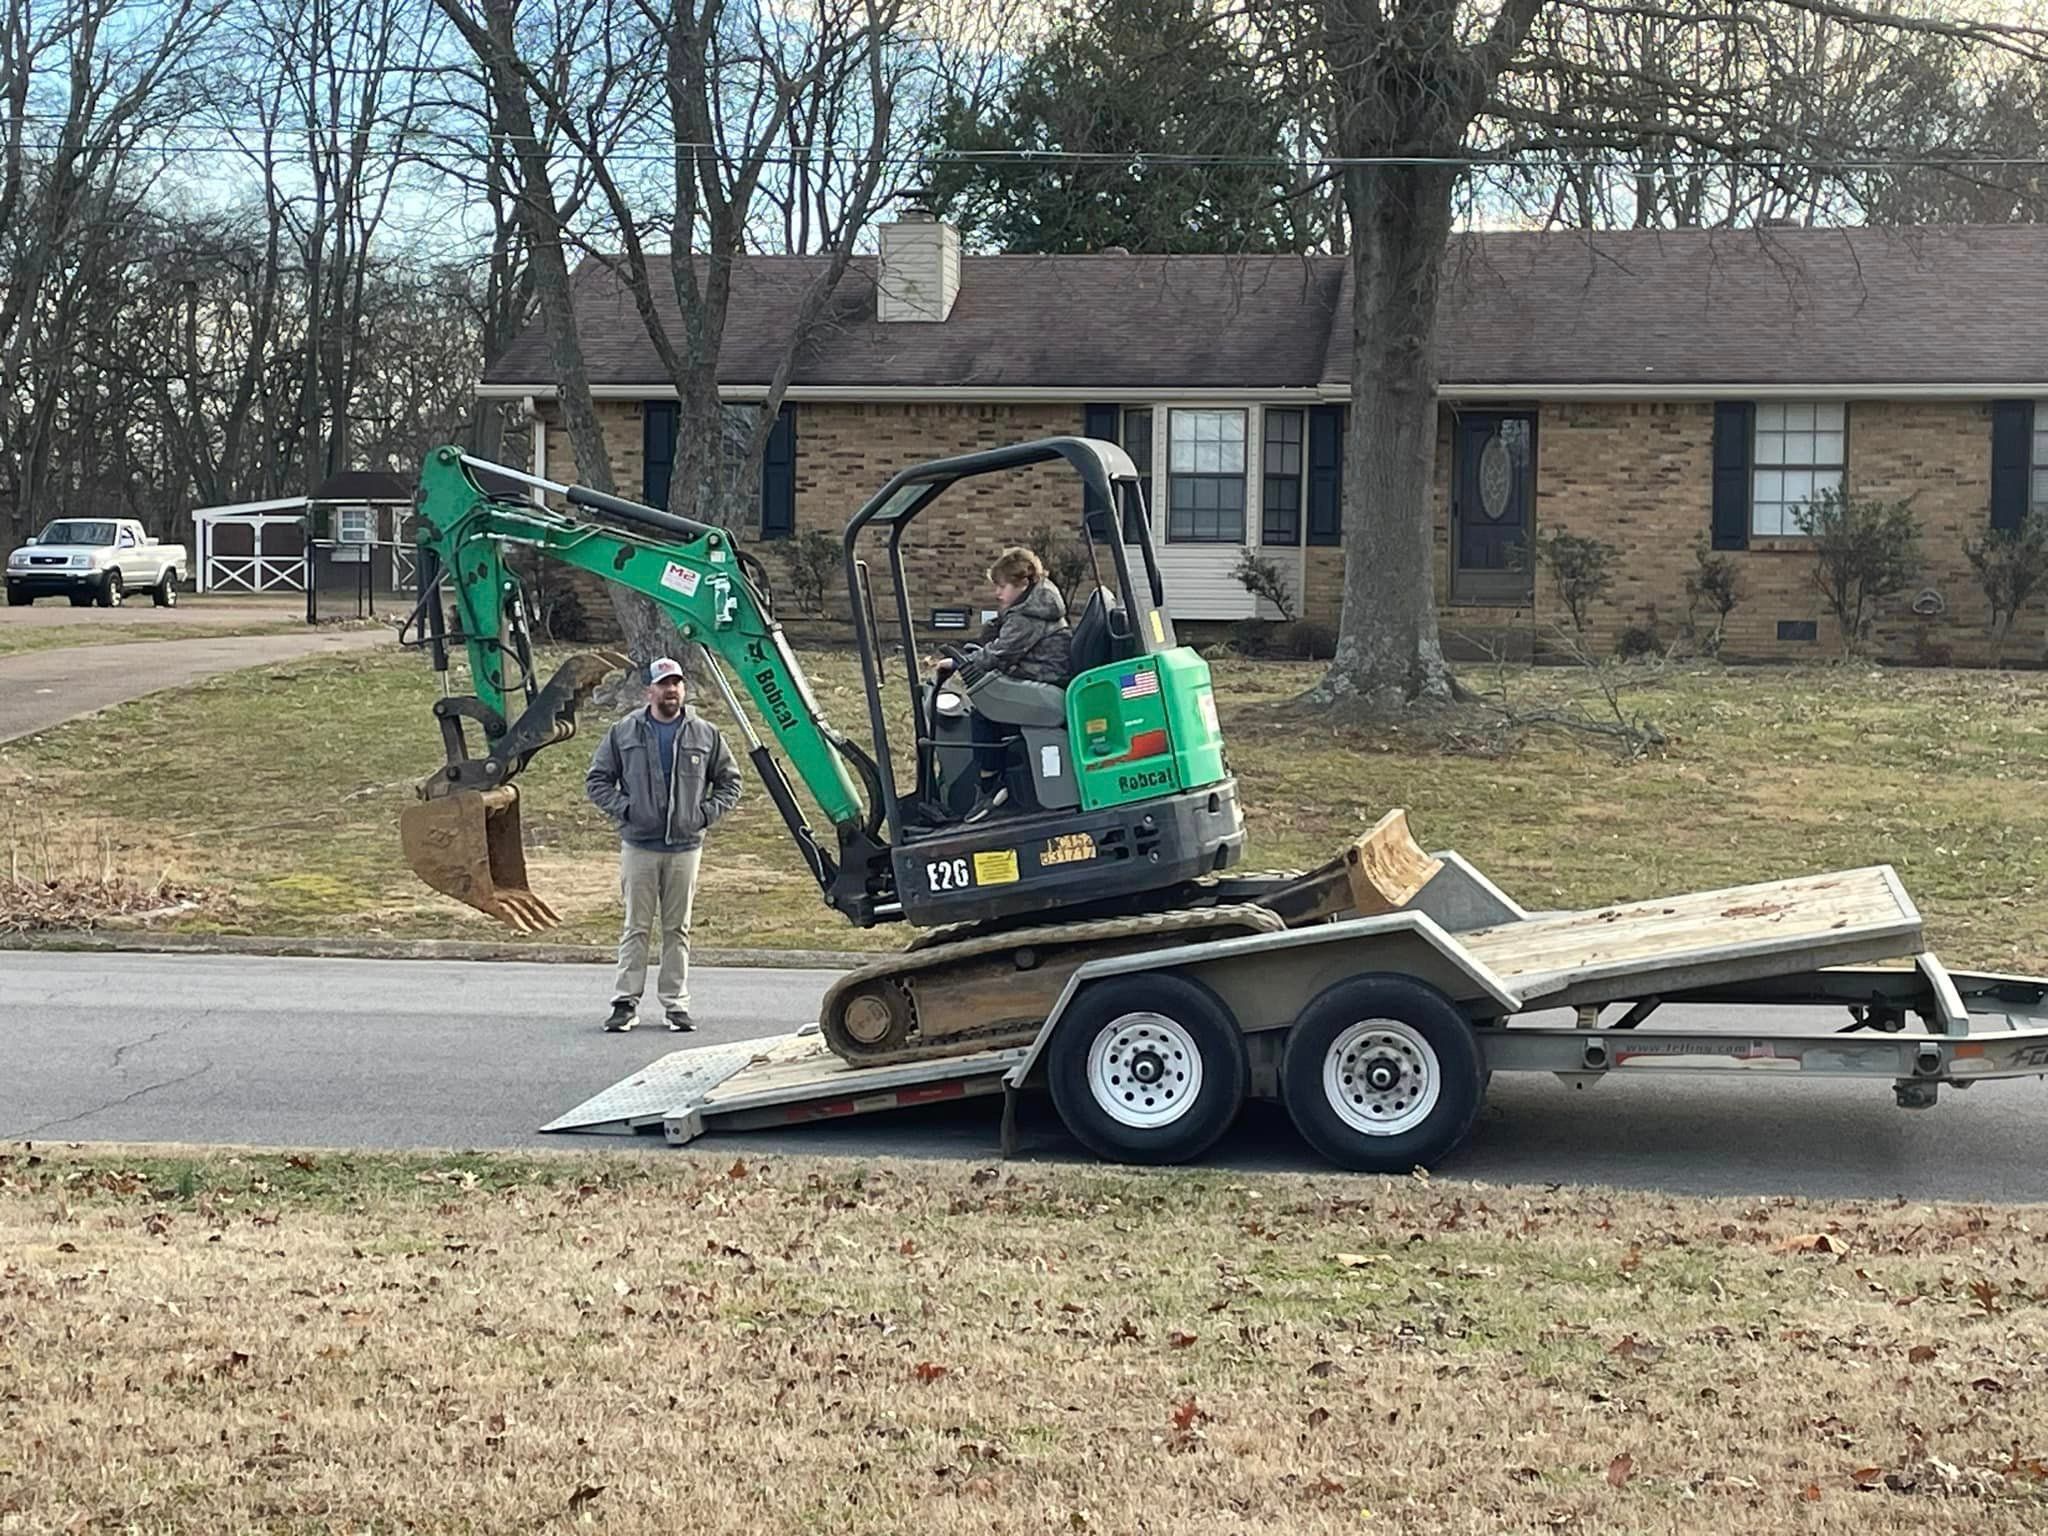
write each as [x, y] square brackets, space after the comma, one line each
[540, 446]
[1649, 389]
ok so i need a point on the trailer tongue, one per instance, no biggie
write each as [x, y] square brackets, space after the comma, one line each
[1379, 1033]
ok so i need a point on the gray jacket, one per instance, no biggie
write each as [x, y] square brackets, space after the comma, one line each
[1029, 639]
[625, 781]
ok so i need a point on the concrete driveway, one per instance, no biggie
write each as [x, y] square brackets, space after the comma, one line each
[138, 611]
[39, 689]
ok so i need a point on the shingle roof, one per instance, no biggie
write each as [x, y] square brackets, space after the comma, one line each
[1923, 306]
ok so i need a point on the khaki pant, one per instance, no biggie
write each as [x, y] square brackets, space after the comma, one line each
[659, 890]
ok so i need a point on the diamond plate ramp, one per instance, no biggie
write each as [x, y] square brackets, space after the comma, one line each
[672, 1085]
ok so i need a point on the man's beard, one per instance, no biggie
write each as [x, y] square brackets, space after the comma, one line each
[662, 713]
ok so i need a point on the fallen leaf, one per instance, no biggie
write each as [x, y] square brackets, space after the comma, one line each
[1620, 1470]
[737, 1171]
[496, 1423]
[301, 1162]
[1920, 1354]
[67, 1247]
[1326, 1485]
[583, 1496]
[1986, 1294]
[1318, 1417]
[1180, 1340]
[908, 1248]
[1361, 1260]
[1632, 1260]
[1814, 1242]
[1868, 1477]
[1323, 1370]
[1187, 1415]
[1988, 1384]
[1811, 1493]
[928, 1372]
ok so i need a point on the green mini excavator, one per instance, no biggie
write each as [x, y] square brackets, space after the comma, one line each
[1122, 812]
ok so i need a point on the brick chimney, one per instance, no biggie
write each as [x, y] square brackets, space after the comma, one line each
[919, 276]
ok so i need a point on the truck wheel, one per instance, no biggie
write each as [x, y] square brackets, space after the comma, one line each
[110, 591]
[80, 599]
[1382, 1074]
[165, 593]
[1148, 1069]
[19, 599]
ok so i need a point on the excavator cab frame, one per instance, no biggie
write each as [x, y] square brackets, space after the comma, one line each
[1110, 480]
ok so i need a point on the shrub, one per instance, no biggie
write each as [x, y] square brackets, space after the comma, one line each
[816, 560]
[1065, 557]
[1261, 577]
[1864, 550]
[2010, 565]
[1581, 567]
[1711, 583]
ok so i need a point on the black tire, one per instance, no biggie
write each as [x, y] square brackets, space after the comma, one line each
[165, 593]
[1422, 1044]
[1166, 1019]
[109, 594]
[80, 599]
[18, 599]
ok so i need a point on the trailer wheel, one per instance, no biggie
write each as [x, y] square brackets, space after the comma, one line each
[1382, 1074]
[1148, 1069]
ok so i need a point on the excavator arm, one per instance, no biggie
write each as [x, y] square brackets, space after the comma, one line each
[462, 837]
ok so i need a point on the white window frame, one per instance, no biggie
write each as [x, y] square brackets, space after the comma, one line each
[355, 525]
[1197, 460]
[1798, 448]
[2037, 461]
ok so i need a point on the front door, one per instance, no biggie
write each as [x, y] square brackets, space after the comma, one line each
[1493, 507]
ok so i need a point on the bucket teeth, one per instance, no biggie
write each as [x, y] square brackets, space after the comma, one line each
[467, 845]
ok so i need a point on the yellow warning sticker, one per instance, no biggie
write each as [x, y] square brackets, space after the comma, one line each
[997, 868]
[1095, 727]
[1158, 629]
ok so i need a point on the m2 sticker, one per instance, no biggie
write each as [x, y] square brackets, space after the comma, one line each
[947, 874]
[997, 868]
[680, 578]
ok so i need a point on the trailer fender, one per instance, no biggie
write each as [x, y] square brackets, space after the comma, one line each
[1266, 979]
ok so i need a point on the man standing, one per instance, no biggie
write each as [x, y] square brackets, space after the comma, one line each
[665, 777]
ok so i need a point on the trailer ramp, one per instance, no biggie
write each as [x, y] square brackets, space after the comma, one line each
[786, 1080]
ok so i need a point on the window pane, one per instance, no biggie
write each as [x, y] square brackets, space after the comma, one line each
[1830, 415]
[1770, 417]
[1798, 485]
[1799, 417]
[2041, 486]
[1827, 480]
[1827, 448]
[1770, 486]
[1770, 448]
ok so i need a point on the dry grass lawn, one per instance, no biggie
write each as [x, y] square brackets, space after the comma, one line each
[281, 787]
[681, 1343]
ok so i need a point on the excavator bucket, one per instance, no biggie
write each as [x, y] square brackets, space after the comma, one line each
[467, 845]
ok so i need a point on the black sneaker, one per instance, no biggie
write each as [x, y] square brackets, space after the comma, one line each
[680, 1022]
[622, 1018]
[988, 805]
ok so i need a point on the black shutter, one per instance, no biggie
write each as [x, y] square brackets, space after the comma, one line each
[778, 477]
[657, 449]
[1732, 422]
[1097, 421]
[2012, 461]
[1326, 474]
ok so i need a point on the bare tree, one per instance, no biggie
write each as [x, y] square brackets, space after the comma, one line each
[728, 81]
[1412, 93]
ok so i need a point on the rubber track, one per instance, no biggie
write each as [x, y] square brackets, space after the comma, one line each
[921, 968]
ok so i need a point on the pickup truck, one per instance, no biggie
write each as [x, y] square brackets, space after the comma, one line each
[95, 560]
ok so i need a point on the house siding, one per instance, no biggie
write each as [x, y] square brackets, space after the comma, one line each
[1636, 473]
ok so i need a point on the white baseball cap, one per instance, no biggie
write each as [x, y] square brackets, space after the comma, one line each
[663, 669]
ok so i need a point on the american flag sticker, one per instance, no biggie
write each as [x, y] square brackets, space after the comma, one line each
[1137, 685]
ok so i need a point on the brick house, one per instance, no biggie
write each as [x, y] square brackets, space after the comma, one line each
[1645, 387]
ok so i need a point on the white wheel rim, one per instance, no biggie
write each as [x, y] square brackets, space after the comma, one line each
[1144, 1070]
[1382, 1078]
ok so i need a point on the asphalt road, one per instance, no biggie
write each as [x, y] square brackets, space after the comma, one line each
[365, 1053]
[39, 689]
[139, 612]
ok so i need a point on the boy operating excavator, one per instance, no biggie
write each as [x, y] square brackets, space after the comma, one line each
[1027, 639]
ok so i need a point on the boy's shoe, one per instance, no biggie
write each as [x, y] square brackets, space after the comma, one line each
[680, 1022]
[622, 1018]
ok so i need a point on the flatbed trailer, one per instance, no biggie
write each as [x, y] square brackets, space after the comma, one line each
[1380, 1033]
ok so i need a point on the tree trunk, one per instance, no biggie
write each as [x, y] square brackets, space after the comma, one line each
[1388, 654]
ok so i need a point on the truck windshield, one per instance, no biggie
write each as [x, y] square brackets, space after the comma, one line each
[77, 532]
